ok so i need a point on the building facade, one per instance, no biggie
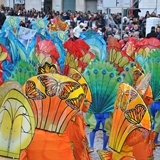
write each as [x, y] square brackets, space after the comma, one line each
[63, 5]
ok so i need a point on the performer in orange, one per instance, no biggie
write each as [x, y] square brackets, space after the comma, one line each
[131, 121]
[128, 139]
[76, 127]
[54, 99]
[144, 149]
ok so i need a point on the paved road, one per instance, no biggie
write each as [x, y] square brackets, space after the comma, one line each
[99, 142]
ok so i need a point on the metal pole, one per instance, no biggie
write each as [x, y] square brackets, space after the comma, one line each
[156, 6]
[108, 16]
[42, 5]
[122, 23]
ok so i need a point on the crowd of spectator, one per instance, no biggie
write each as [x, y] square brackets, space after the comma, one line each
[108, 26]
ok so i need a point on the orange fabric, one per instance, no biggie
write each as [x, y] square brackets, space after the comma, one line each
[134, 138]
[127, 158]
[77, 135]
[23, 155]
[133, 146]
[48, 146]
[148, 96]
[140, 151]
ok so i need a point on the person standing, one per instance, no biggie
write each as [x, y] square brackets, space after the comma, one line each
[77, 30]
[152, 33]
[2, 18]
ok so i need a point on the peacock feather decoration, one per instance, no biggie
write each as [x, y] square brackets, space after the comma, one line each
[103, 80]
[152, 65]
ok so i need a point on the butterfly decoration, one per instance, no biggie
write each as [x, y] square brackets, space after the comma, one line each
[123, 99]
[54, 99]
[79, 78]
[136, 114]
[47, 68]
[75, 103]
[17, 124]
[127, 119]
[33, 92]
[54, 87]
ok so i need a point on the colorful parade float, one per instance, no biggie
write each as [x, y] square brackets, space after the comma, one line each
[52, 86]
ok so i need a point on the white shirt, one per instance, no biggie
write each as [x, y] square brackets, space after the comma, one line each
[77, 30]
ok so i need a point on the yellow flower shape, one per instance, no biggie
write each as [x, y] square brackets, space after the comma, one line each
[68, 57]
[3, 55]
[117, 58]
[144, 51]
[86, 58]
[42, 59]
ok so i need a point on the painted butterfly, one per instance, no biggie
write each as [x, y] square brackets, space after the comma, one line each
[136, 114]
[32, 92]
[76, 77]
[75, 103]
[124, 98]
[54, 87]
[47, 68]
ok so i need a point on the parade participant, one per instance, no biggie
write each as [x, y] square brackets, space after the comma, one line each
[131, 122]
[147, 141]
[103, 82]
[76, 127]
[55, 99]
[151, 64]
[138, 138]
[155, 111]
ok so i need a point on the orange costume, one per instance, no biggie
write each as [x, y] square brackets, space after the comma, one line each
[130, 125]
[144, 149]
[78, 138]
[76, 127]
[54, 99]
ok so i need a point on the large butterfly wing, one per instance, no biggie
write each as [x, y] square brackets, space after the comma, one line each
[66, 88]
[32, 92]
[136, 114]
[53, 87]
[126, 98]
[75, 103]
[50, 84]
[47, 68]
